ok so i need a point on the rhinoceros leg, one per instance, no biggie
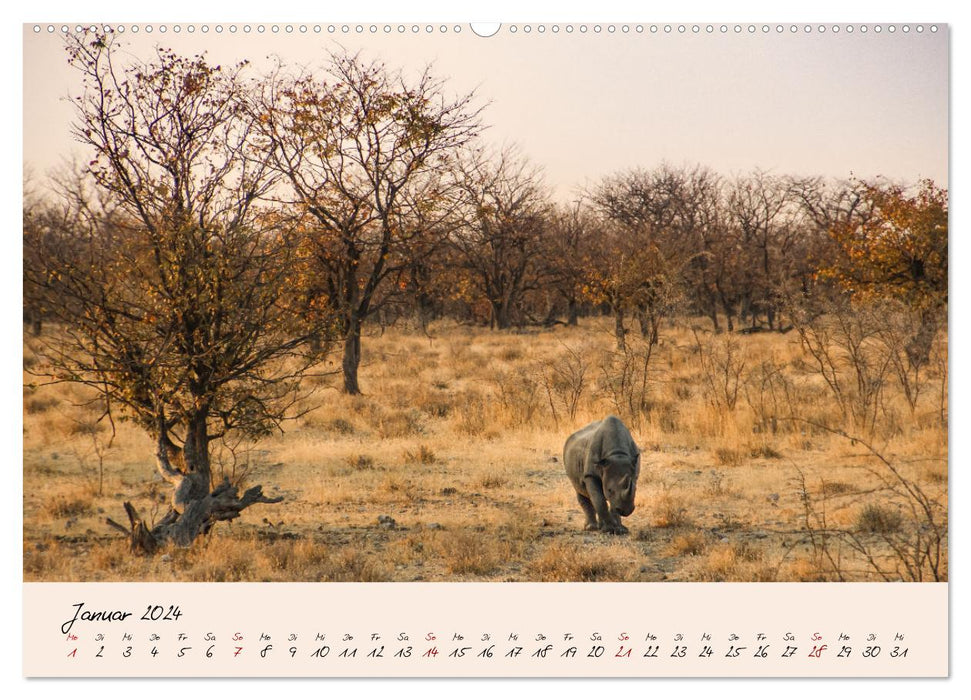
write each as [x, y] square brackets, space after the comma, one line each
[617, 528]
[588, 511]
[607, 521]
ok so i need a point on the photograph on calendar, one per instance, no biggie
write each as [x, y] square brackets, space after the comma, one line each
[567, 303]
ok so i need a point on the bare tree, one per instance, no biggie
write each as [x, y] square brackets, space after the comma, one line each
[640, 267]
[767, 220]
[570, 240]
[366, 155]
[702, 220]
[501, 243]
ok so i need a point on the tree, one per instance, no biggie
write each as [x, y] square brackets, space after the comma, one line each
[898, 252]
[366, 155]
[501, 241]
[767, 220]
[572, 230]
[645, 249]
[42, 223]
[702, 222]
[174, 294]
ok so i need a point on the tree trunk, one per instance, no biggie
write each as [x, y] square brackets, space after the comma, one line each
[198, 518]
[644, 321]
[729, 310]
[317, 344]
[352, 356]
[619, 332]
[710, 296]
[195, 456]
[919, 348]
[572, 313]
[500, 315]
[194, 508]
[423, 311]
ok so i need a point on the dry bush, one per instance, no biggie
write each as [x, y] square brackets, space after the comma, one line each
[229, 562]
[409, 550]
[728, 456]
[519, 394]
[395, 424]
[235, 461]
[352, 565]
[435, 404]
[801, 569]
[46, 561]
[665, 415]
[492, 481]
[769, 393]
[879, 519]
[568, 562]
[683, 389]
[360, 461]
[844, 349]
[668, 510]
[396, 489]
[716, 486]
[510, 353]
[471, 416]
[565, 380]
[227, 558]
[67, 505]
[342, 426]
[41, 404]
[939, 371]
[301, 560]
[627, 377]
[835, 488]
[899, 534]
[764, 451]
[722, 364]
[686, 544]
[464, 553]
[110, 556]
[910, 339]
[733, 562]
[422, 455]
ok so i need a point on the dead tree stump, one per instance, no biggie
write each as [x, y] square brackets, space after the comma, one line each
[197, 518]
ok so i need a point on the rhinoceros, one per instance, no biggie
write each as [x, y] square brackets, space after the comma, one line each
[603, 464]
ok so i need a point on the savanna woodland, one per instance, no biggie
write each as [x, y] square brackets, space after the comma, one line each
[307, 324]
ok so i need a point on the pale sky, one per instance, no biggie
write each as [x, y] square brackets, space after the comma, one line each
[586, 105]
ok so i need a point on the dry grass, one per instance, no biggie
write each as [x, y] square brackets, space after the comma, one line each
[59, 505]
[458, 441]
[423, 455]
[687, 544]
[735, 562]
[669, 510]
[570, 562]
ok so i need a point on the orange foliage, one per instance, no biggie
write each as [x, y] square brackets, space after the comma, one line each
[899, 250]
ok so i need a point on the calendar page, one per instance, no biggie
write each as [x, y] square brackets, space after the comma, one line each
[449, 349]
